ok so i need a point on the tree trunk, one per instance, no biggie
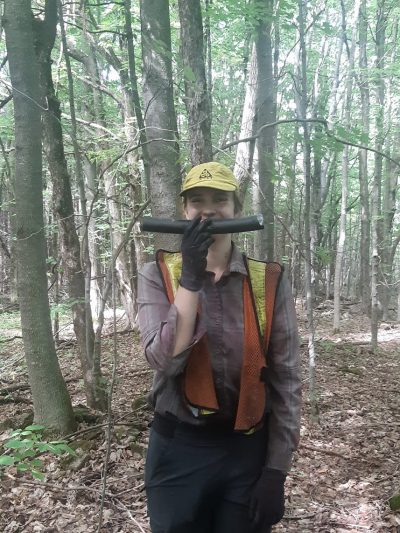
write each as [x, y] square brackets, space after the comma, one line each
[130, 109]
[196, 94]
[51, 402]
[307, 209]
[62, 196]
[381, 22]
[135, 91]
[365, 282]
[245, 151]
[345, 169]
[266, 114]
[161, 128]
[112, 193]
[87, 192]
[390, 184]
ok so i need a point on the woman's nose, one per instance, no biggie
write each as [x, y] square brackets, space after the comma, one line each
[208, 211]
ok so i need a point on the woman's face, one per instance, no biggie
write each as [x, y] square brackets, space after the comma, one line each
[209, 203]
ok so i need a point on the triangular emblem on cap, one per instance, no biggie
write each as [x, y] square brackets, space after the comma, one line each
[205, 175]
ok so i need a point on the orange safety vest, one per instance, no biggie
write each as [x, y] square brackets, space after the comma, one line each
[259, 289]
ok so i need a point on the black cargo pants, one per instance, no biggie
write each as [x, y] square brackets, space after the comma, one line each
[201, 481]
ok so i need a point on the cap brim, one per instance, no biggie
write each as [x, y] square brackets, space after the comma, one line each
[226, 187]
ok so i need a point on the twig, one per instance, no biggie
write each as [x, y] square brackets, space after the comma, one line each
[14, 399]
[322, 450]
[12, 362]
[112, 383]
[26, 386]
[143, 372]
[53, 487]
[123, 507]
[299, 517]
[12, 388]
[10, 339]
[132, 489]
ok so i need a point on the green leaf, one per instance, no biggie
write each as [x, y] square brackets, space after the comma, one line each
[38, 475]
[53, 448]
[394, 502]
[14, 444]
[27, 453]
[6, 460]
[65, 448]
[34, 427]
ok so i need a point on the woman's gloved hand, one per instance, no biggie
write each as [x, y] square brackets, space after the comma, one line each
[195, 243]
[267, 503]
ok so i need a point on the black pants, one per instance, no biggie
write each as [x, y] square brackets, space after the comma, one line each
[200, 482]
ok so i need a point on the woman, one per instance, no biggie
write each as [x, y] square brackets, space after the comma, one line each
[226, 391]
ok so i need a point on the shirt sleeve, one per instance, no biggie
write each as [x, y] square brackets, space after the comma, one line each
[284, 381]
[157, 323]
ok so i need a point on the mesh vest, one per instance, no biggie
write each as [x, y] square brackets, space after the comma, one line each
[259, 289]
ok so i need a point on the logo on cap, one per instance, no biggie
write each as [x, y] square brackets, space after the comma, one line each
[205, 175]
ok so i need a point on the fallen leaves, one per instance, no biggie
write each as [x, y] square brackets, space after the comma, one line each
[343, 475]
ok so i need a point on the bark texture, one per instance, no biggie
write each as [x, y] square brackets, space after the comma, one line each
[196, 94]
[160, 119]
[52, 405]
[266, 114]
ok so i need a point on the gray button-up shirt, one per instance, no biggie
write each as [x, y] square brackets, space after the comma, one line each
[222, 319]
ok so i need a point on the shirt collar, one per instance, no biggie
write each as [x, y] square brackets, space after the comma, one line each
[237, 262]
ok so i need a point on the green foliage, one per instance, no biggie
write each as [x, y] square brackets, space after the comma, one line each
[24, 447]
[63, 308]
[394, 502]
[10, 321]
[324, 255]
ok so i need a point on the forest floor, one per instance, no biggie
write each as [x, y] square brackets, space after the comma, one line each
[346, 468]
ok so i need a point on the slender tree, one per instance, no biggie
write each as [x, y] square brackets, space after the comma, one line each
[345, 162]
[245, 151]
[52, 405]
[196, 94]
[266, 114]
[62, 196]
[365, 282]
[303, 99]
[376, 211]
[160, 119]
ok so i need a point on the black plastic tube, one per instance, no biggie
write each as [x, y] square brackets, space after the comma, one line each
[229, 225]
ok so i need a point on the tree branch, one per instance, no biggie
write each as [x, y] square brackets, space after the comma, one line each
[93, 125]
[322, 121]
[95, 31]
[6, 100]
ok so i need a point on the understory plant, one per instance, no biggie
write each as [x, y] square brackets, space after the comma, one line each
[24, 447]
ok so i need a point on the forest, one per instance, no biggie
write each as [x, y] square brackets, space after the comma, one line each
[104, 107]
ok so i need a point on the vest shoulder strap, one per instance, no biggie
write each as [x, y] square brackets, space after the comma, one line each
[264, 279]
[170, 265]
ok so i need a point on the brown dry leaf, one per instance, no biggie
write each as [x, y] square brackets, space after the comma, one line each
[360, 419]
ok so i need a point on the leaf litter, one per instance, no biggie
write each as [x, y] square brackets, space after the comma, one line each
[344, 472]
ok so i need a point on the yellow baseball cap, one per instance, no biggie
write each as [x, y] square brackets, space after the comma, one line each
[213, 175]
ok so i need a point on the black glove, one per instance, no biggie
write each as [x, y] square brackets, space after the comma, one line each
[195, 243]
[267, 503]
